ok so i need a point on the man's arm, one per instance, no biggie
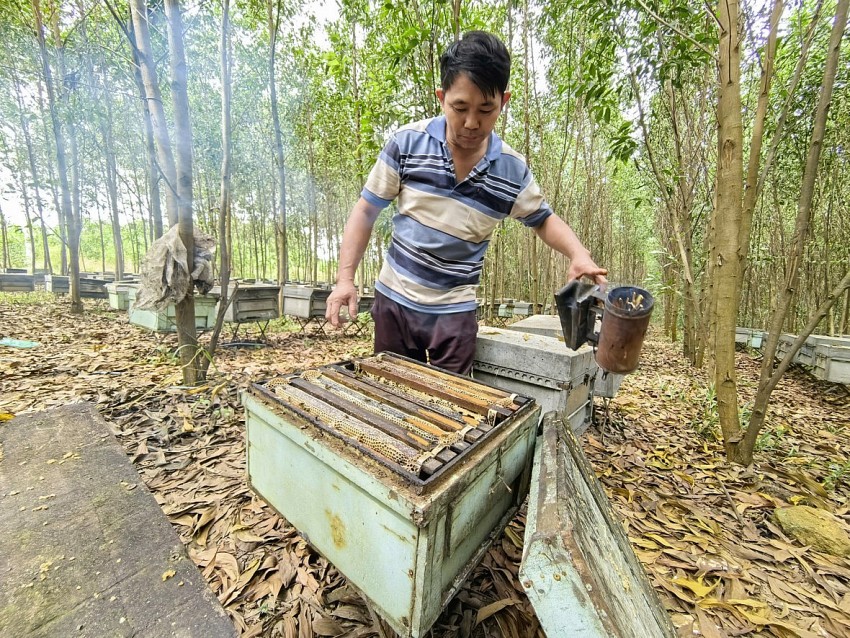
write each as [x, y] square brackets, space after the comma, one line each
[355, 238]
[555, 233]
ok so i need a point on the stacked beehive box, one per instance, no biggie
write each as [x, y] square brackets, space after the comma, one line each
[541, 367]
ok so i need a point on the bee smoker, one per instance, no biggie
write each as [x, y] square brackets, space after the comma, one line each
[615, 321]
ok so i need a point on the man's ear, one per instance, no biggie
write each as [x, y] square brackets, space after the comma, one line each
[506, 96]
[440, 95]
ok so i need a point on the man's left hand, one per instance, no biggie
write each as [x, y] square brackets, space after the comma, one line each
[584, 266]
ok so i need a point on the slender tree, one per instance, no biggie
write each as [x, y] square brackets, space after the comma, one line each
[186, 335]
[770, 376]
[727, 220]
[274, 11]
[111, 167]
[4, 240]
[36, 182]
[73, 226]
[153, 99]
[225, 194]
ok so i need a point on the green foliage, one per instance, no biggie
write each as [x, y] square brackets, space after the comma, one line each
[36, 298]
[706, 422]
[839, 474]
[769, 439]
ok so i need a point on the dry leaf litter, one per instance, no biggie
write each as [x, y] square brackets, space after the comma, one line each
[704, 529]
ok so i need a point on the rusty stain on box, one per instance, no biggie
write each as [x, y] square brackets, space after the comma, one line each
[399, 473]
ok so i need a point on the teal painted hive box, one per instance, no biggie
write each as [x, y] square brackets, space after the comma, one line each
[119, 294]
[166, 320]
[348, 454]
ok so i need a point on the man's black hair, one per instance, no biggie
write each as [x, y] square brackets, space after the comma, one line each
[483, 57]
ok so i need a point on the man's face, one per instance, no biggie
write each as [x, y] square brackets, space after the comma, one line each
[470, 115]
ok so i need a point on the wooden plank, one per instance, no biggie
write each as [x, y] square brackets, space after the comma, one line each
[405, 377]
[376, 421]
[391, 412]
[578, 568]
[318, 412]
[408, 403]
[467, 384]
[84, 545]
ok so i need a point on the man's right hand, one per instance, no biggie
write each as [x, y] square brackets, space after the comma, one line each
[344, 294]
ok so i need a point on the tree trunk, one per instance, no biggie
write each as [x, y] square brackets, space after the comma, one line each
[751, 190]
[769, 376]
[534, 267]
[4, 238]
[22, 185]
[153, 98]
[186, 336]
[727, 223]
[150, 147]
[358, 136]
[75, 222]
[35, 182]
[112, 190]
[59, 137]
[224, 202]
[63, 251]
[280, 210]
[102, 241]
[311, 198]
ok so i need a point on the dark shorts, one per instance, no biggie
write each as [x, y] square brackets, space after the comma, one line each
[446, 341]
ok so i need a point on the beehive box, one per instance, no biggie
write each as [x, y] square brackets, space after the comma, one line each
[806, 354]
[90, 287]
[558, 378]
[16, 282]
[365, 303]
[252, 302]
[93, 288]
[749, 336]
[404, 517]
[604, 385]
[57, 284]
[523, 309]
[119, 294]
[506, 310]
[832, 362]
[166, 320]
[784, 345]
[825, 340]
[305, 302]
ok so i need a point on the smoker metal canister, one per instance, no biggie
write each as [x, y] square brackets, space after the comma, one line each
[622, 333]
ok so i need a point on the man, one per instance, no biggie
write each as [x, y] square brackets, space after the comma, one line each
[455, 181]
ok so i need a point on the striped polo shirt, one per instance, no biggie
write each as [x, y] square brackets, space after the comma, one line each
[442, 227]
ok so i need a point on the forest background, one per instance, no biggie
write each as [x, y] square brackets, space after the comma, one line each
[620, 107]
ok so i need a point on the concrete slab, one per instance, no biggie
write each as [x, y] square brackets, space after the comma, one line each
[85, 550]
